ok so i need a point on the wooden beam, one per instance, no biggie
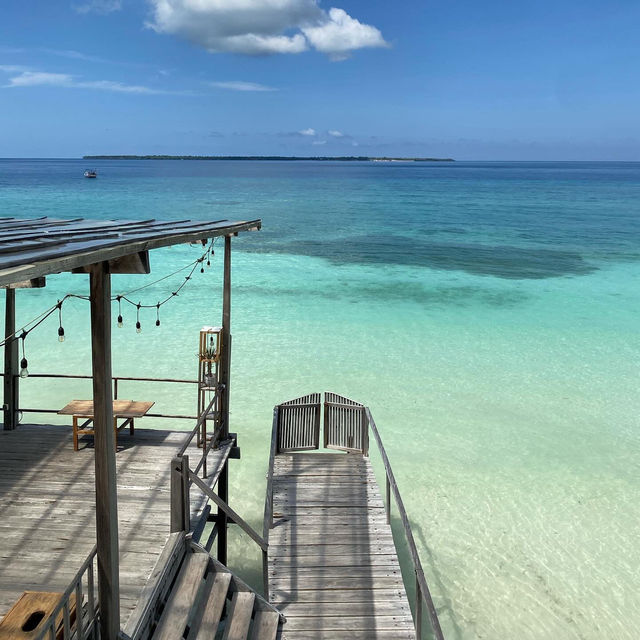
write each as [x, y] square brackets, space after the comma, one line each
[105, 459]
[11, 379]
[225, 367]
[34, 283]
[137, 263]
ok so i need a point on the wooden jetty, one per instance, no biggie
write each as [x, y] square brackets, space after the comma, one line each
[333, 568]
[130, 537]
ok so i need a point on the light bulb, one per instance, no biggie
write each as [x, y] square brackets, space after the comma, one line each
[138, 327]
[60, 334]
[24, 372]
[157, 323]
[119, 322]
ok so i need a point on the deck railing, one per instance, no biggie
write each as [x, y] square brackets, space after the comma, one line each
[423, 594]
[116, 381]
[183, 478]
[84, 626]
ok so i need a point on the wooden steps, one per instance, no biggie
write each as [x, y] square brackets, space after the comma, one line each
[206, 601]
[333, 566]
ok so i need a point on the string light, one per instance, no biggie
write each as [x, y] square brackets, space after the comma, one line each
[37, 321]
[24, 372]
[60, 327]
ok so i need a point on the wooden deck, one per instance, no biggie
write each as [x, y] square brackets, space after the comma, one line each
[47, 508]
[333, 567]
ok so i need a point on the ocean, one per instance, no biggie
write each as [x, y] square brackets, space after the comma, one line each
[487, 312]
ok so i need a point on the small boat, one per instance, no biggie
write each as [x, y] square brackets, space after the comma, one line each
[90, 173]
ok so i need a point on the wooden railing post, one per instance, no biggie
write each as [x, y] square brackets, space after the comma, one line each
[265, 574]
[418, 610]
[387, 501]
[11, 354]
[180, 503]
[225, 367]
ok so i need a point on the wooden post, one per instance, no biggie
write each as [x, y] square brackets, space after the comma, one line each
[387, 503]
[105, 453]
[11, 379]
[418, 610]
[225, 356]
[180, 501]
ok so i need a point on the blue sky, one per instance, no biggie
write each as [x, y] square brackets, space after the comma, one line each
[491, 80]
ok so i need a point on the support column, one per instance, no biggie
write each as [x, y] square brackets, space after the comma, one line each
[223, 481]
[105, 458]
[11, 379]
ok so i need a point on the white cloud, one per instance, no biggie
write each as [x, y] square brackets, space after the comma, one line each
[13, 68]
[43, 78]
[319, 142]
[263, 27]
[334, 133]
[99, 6]
[239, 85]
[342, 34]
[307, 132]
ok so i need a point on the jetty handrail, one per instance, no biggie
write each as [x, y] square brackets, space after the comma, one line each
[116, 380]
[267, 521]
[84, 627]
[422, 589]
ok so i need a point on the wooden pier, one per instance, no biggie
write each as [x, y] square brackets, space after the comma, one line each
[333, 568]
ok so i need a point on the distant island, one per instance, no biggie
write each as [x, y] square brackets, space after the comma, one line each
[287, 158]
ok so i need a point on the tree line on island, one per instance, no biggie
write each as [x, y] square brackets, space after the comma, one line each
[287, 158]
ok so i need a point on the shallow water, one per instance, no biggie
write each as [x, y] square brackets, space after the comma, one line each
[486, 312]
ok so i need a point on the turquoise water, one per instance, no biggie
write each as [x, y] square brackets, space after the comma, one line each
[486, 312]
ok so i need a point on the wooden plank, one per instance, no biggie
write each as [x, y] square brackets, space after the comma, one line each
[239, 616]
[265, 625]
[380, 634]
[338, 608]
[208, 616]
[351, 623]
[176, 613]
[105, 460]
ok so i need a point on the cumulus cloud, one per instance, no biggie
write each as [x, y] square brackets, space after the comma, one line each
[334, 133]
[341, 34]
[319, 142]
[263, 27]
[43, 78]
[307, 132]
[99, 6]
[239, 85]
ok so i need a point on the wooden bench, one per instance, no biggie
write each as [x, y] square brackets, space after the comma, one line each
[25, 619]
[126, 410]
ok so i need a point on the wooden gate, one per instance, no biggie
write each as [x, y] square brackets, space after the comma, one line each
[299, 424]
[345, 424]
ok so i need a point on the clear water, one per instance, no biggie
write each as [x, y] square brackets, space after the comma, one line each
[486, 312]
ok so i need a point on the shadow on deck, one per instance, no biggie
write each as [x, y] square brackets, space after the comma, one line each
[47, 507]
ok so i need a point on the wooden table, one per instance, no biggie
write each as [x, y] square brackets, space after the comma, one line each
[122, 409]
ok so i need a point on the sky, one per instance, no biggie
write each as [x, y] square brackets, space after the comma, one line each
[491, 80]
